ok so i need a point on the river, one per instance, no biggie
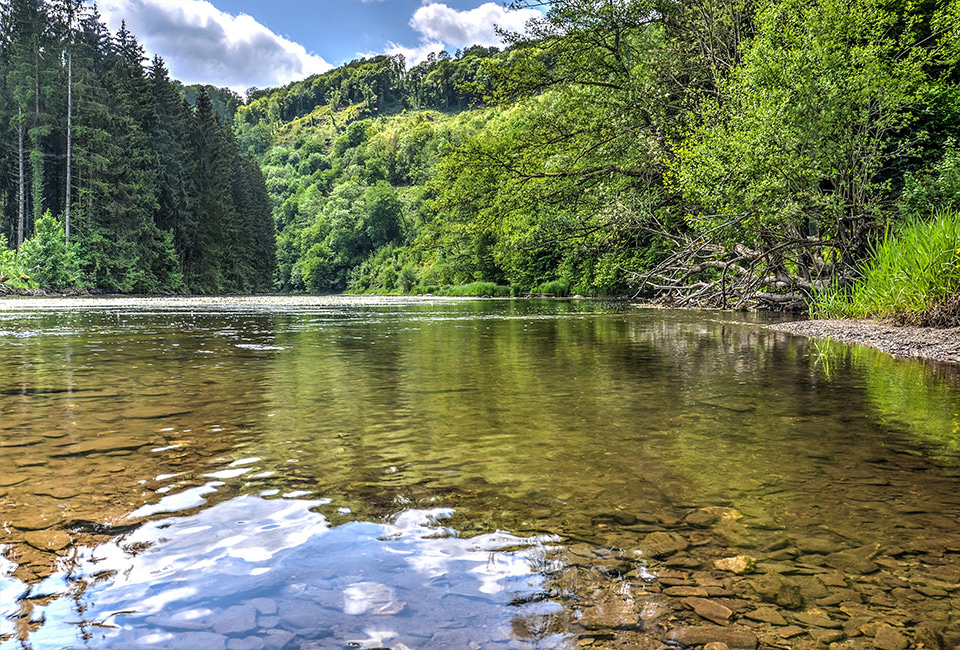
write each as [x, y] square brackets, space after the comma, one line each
[344, 472]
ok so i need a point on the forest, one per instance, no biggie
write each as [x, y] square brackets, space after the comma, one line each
[114, 177]
[702, 152]
[711, 153]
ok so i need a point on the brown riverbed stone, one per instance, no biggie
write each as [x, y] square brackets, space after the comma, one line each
[888, 638]
[716, 645]
[739, 564]
[734, 638]
[779, 590]
[708, 609]
[47, 540]
[816, 619]
[683, 592]
[660, 544]
[101, 445]
[766, 615]
[818, 545]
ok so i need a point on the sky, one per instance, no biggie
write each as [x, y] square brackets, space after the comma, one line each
[267, 43]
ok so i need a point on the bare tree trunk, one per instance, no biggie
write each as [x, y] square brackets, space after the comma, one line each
[21, 196]
[66, 213]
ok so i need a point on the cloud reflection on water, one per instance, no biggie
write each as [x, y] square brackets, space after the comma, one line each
[275, 572]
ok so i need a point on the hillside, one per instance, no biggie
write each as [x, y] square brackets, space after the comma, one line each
[750, 159]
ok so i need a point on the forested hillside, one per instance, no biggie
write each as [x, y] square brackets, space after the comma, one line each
[704, 151]
[110, 179]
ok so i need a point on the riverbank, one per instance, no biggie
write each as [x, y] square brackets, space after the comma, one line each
[896, 340]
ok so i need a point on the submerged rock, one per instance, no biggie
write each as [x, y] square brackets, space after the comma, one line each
[888, 638]
[766, 615]
[47, 540]
[778, 590]
[708, 609]
[661, 544]
[734, 638]
[739, 564]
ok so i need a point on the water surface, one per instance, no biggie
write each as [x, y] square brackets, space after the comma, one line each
[284, 473]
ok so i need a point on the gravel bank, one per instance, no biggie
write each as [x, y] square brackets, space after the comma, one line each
[904, 342]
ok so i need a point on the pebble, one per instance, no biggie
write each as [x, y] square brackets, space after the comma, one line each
[740, 564]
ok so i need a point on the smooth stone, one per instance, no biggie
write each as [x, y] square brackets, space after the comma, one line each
[40, 521]
[708, 609]
[236, 619]
[716, 645]
[739, 564]
[858, 560]
[388, 609]
[818, 546]
[47, 540]
[826, 637]
[683, 592]
[249, 643]
[266, 606]
[702, 518]
[661, 544]
[56, 491]
[21, 442]
[174, 623]
[928, 636]
[778, 590]
[277, 639]
[101, 446]
[816, 620]
[790, 631]
[832, 579]
[766, 615]
[299, 615]
[734, 638]
[888, 638]
[9, 480]
[152, 413]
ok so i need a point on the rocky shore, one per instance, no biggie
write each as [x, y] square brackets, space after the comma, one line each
[899, 341]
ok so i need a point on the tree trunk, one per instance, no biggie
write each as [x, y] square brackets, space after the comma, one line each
[21, 196]
[66, 212]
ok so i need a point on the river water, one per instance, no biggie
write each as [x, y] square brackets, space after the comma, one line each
[371, 473]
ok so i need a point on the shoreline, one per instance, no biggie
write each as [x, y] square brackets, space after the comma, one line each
[902, 342]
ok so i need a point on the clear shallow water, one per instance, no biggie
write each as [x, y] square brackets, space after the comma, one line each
[431, 474]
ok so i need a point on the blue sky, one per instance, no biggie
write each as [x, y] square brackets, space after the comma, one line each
[264, 43]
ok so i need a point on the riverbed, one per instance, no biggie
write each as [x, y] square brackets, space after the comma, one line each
[437, 473]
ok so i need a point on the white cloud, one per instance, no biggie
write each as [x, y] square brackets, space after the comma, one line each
[415, 55]
[202, 44]
[438, 22]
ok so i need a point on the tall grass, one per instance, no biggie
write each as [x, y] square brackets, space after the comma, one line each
[908, 276]
[472, 290]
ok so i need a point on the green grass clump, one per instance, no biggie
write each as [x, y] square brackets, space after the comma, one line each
[554, 288]
[474, 290]
[909, 276]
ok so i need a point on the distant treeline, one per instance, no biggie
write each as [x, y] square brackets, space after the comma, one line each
[151, 188]
[721, 153]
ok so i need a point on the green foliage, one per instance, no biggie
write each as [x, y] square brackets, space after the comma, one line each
[161, 197]
[936, 188]
[908, 276]
[12, 272]
[50, 262]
